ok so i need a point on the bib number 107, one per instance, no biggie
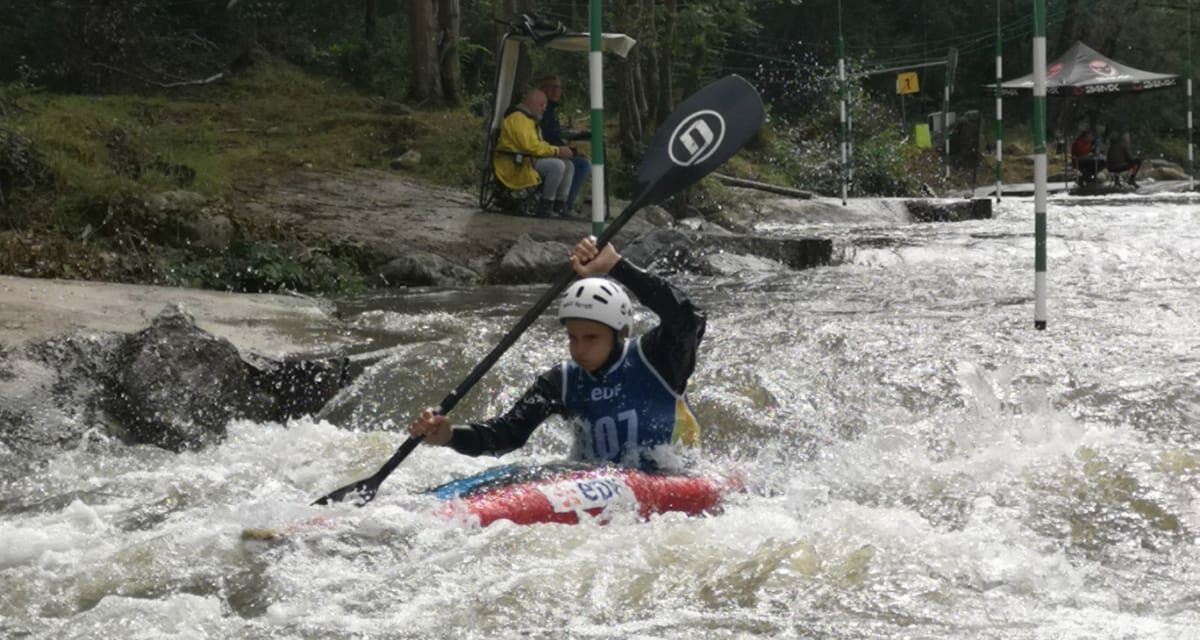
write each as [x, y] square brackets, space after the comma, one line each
[607, 433]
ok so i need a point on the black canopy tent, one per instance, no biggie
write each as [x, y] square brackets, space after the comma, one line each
[1083, 71]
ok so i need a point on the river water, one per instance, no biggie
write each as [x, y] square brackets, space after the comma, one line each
[922, 464]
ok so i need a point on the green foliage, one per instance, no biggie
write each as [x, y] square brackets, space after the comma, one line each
[378, 63]
[263, 267]
[451, 147]
[703, 32]
[104, 156]
[21, 167]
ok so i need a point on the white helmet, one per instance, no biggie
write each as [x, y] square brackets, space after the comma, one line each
[597, 299]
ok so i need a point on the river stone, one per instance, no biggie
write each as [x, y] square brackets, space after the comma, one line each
[51, 393]
[657, 216]
[177, 386]
[670, 248]
[530, 261]
[421, 269]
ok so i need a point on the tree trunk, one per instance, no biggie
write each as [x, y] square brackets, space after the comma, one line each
[630, 126]
[649, 65]
[369, 12]
[631, 106]
[426, 83]
[448, 21]
[666, 44]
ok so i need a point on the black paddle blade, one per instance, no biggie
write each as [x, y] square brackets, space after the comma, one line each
[700, 135]
[363, 491]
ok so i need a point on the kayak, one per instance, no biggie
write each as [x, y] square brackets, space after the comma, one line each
[568, 493]
[564, 493]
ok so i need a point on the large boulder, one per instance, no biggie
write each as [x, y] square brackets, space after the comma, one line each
[421, 268]
[176, 386]
[668, 249]
[530, 261]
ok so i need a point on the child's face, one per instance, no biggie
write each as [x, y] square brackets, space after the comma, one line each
[590, 342]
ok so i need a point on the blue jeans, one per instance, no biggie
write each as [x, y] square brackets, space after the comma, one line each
[556, 177]
[583, 169]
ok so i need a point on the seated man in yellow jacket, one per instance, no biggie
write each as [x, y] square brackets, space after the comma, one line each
[522, 156]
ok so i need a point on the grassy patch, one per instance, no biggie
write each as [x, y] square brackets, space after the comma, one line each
[78, 169]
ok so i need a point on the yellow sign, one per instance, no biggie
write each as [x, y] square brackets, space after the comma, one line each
[906, 83]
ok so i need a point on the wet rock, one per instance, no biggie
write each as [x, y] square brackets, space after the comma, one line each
[296, 387]
[177, 386]
[949, 211]
[669, 249]
[51, 394]
[657, 216]
[531, 261]
[421, 268]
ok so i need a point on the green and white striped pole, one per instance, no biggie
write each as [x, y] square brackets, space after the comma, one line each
[999, 107]
[1039, 164]
[841, 54]
[849, 136]
[1191, 139]
[596, 92]
[946, 122]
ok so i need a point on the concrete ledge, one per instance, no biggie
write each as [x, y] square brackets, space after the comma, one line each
[797, 253]
[34, 309]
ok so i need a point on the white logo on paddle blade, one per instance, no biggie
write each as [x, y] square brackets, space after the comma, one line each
[696, 138]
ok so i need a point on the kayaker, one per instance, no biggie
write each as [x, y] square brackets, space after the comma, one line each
[625, 398]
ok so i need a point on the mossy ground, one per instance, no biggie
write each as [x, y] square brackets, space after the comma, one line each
[98, 157]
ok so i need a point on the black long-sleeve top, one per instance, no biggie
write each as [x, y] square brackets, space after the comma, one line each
[669, 347]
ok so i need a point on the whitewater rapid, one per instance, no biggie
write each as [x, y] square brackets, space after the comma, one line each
[922, 463]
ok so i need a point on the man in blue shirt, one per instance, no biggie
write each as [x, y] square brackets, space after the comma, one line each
[553, 132]
[624, 397]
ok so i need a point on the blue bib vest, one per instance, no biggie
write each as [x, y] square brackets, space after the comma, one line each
[626, 411]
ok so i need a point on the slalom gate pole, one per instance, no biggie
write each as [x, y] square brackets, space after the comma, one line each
[999, 107]
[841, 54]
[1039, 164]
[596, 95]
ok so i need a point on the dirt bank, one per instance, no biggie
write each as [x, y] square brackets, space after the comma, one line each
[387, 215]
